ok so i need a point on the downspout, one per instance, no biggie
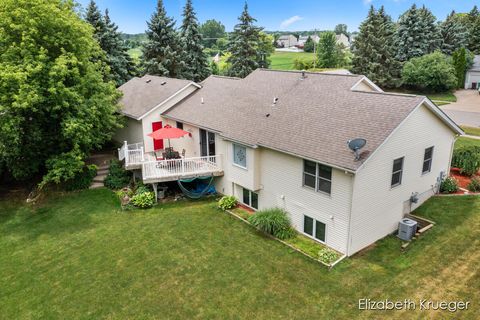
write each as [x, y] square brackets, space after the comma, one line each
[450, 161]
[353, 176]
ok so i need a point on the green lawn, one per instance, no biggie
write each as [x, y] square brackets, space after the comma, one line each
[467, 142]
[440, 98]
[473, 131]
[135, 53]
[284, 60]
[77, 256]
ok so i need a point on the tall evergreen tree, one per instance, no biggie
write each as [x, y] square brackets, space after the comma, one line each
[162, 50]
[94, 17]
[459, 61]
[106, 33]
[474, 30]
[430, 30]
[121, 64]
[454, 34]
[243, 43]
[309, 45]
[416, 33]
[196, 63]
[374, 49]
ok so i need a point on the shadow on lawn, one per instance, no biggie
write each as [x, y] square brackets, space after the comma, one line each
[59, 214]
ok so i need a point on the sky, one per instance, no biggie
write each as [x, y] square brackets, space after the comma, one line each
[288, 15]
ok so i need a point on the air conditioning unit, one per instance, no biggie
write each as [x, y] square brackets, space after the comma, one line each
[407, 229]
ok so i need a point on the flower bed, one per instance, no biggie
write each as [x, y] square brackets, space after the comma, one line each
[301, 243]
[463, 181]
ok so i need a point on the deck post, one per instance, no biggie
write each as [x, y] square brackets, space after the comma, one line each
[143, 157]
[183, 165]
[156, 191]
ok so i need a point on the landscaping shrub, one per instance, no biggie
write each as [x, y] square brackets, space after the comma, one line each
[143, 200]
[82, 180]
[141, 188]
[327, 255]
[227, 202]
[474, 185]
[303, 64]
[117, 177]
[273, 221]
[449, 185]
[467, 159]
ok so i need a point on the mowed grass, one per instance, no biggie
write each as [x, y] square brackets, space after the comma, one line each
[473, 131]
[77, 256]
[440, 98]
[466, 142]
[284, 60]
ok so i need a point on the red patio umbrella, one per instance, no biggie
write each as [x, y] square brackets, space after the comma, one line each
[168, 132]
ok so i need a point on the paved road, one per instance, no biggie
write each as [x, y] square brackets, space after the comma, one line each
[466, 110]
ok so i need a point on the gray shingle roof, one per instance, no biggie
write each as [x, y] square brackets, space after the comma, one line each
[313, 118]
[140, 95]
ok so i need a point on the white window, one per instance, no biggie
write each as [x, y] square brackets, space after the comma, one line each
[397, 172]
[427, 160]
[317, 176]
[250, 198]
[240, 155]
[314, 228]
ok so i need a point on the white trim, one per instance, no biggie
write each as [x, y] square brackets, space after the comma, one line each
[167, 100]
[368, 82]
[432, 107]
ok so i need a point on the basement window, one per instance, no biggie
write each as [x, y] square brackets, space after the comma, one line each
[314, 228]
[180, 125]
[250, 198]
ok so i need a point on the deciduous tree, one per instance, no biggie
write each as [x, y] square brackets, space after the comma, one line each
[55, 106]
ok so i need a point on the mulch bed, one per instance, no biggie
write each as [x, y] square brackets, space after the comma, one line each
[462, 180]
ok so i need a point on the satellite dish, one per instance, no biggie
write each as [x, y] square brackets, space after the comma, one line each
[355, 145]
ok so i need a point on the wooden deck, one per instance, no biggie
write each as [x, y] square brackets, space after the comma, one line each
[154, 170]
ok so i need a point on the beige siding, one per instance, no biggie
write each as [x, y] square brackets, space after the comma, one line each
[377, 207]
[131, 132]
[279, 178]
[154, 116]
[191, 144]
[364, 86]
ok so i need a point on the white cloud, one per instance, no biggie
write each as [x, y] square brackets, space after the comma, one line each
[366, 2]
[286, 23]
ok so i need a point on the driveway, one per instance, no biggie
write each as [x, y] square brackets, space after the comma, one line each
[466, 110]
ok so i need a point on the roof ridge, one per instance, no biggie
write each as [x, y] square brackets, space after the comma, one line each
[392, 93]
[311, 72]
[223, 77]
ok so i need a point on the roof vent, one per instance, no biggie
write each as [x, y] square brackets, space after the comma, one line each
[355, 145]
[148, 81]
[202, 101]
[267, 115]
[275, 100]
[303, 75]
[163, 83]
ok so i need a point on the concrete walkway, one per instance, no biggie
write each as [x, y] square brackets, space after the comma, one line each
[466, 111]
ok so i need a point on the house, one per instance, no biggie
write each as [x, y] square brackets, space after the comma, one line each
[303, 39]
[343, 40]
[272, 148]
[472, 77]
[287, 41]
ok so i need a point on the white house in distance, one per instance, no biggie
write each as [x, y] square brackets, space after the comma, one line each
[343, 40]
[271, 148]
[287, 41]
[303, 39]
[472, 77]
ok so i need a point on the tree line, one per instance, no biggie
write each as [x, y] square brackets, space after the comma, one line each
[416, 50]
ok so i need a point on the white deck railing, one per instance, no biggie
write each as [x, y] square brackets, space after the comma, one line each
[132, 153]
[163, 170]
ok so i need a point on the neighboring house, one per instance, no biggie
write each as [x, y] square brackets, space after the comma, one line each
[303, 39]
[287, 41]
[472, 77]
[271, 148]
[343, 40]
